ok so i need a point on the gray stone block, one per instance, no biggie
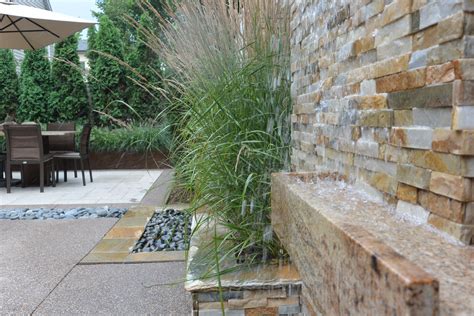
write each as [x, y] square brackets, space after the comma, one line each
[432, 117]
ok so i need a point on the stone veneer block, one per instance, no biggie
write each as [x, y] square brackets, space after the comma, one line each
[344, 267]
[445, 207]
[402, 81]
[463, 118]
[455, 142]
[412, 137]
[441, 73]
[407, 193]
[455, 187]
[464, 233]
[463, 93]
[414, 176]
[432, 96]
[432, 117]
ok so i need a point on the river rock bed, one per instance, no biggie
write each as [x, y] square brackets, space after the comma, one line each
[56, 213]
[166, 231]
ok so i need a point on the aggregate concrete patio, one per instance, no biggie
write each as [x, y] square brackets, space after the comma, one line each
[40, 271]
[109, 187]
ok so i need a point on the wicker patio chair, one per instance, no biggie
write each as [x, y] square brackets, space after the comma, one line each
[83, 155]
[63, 144]
[25, 147]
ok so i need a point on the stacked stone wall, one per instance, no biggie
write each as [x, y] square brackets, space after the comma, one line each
[384, 93]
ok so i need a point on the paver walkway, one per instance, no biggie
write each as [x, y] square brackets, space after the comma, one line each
[39, 271]
[109, 187]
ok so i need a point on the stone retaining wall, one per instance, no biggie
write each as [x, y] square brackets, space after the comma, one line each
[270, 301]
[384, 93]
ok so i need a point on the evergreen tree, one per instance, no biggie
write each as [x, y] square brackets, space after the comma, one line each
[143, 97]
[91, 38]
[68, 99]
[8, 84]
[108, 82]
[35, 85]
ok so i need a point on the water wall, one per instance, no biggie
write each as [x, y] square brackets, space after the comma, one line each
[384, 94]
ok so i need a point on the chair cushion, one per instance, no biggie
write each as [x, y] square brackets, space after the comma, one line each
[68, 155]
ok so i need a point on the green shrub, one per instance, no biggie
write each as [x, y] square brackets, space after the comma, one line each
[8, 84]
[68, 99]
[134, 139]
[35, 87]
[107, 76]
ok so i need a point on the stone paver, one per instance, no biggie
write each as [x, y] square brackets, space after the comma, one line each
[109, 187]
[119, 241]
[36, 255]
[120, 290]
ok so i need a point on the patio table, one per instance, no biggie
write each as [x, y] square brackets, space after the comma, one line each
[31, 171]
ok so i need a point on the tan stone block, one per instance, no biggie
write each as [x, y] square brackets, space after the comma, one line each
[402, 81]
[372, 102]
[412, 137]
[426, 38]
[262, 311]
[440, 73]
[464, 233]
[394, 154]
[451, 28]
[414, 176]
[455, 187]
[443, 206]
[236, 303]
[455, 142]
[436, 161]
[390, 66]
[375, 118]
[382, 182]
[402, 117]
[364, 44]
[396, 10]
[255, 303]
[114, 246]
[407, 193]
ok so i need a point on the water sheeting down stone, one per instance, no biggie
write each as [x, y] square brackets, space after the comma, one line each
[349, 246]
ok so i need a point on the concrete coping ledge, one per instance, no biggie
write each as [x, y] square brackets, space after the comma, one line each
[199, 278]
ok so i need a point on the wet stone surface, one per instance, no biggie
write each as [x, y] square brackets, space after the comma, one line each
[56, 213]
[166, 231]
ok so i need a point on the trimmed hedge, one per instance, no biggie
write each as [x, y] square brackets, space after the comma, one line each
[136, 139]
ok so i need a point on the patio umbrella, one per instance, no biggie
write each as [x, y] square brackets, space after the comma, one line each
[24, 27]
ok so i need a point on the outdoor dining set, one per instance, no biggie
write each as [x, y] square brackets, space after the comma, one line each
[49, 150]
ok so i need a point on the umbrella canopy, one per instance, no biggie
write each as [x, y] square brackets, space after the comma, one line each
[23, 27]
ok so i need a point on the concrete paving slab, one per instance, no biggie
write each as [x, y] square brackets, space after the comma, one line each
[36, 255]
[109, 187]
[120, 290]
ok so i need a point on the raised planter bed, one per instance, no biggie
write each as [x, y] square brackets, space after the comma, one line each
[129, 160]
[267, 289]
